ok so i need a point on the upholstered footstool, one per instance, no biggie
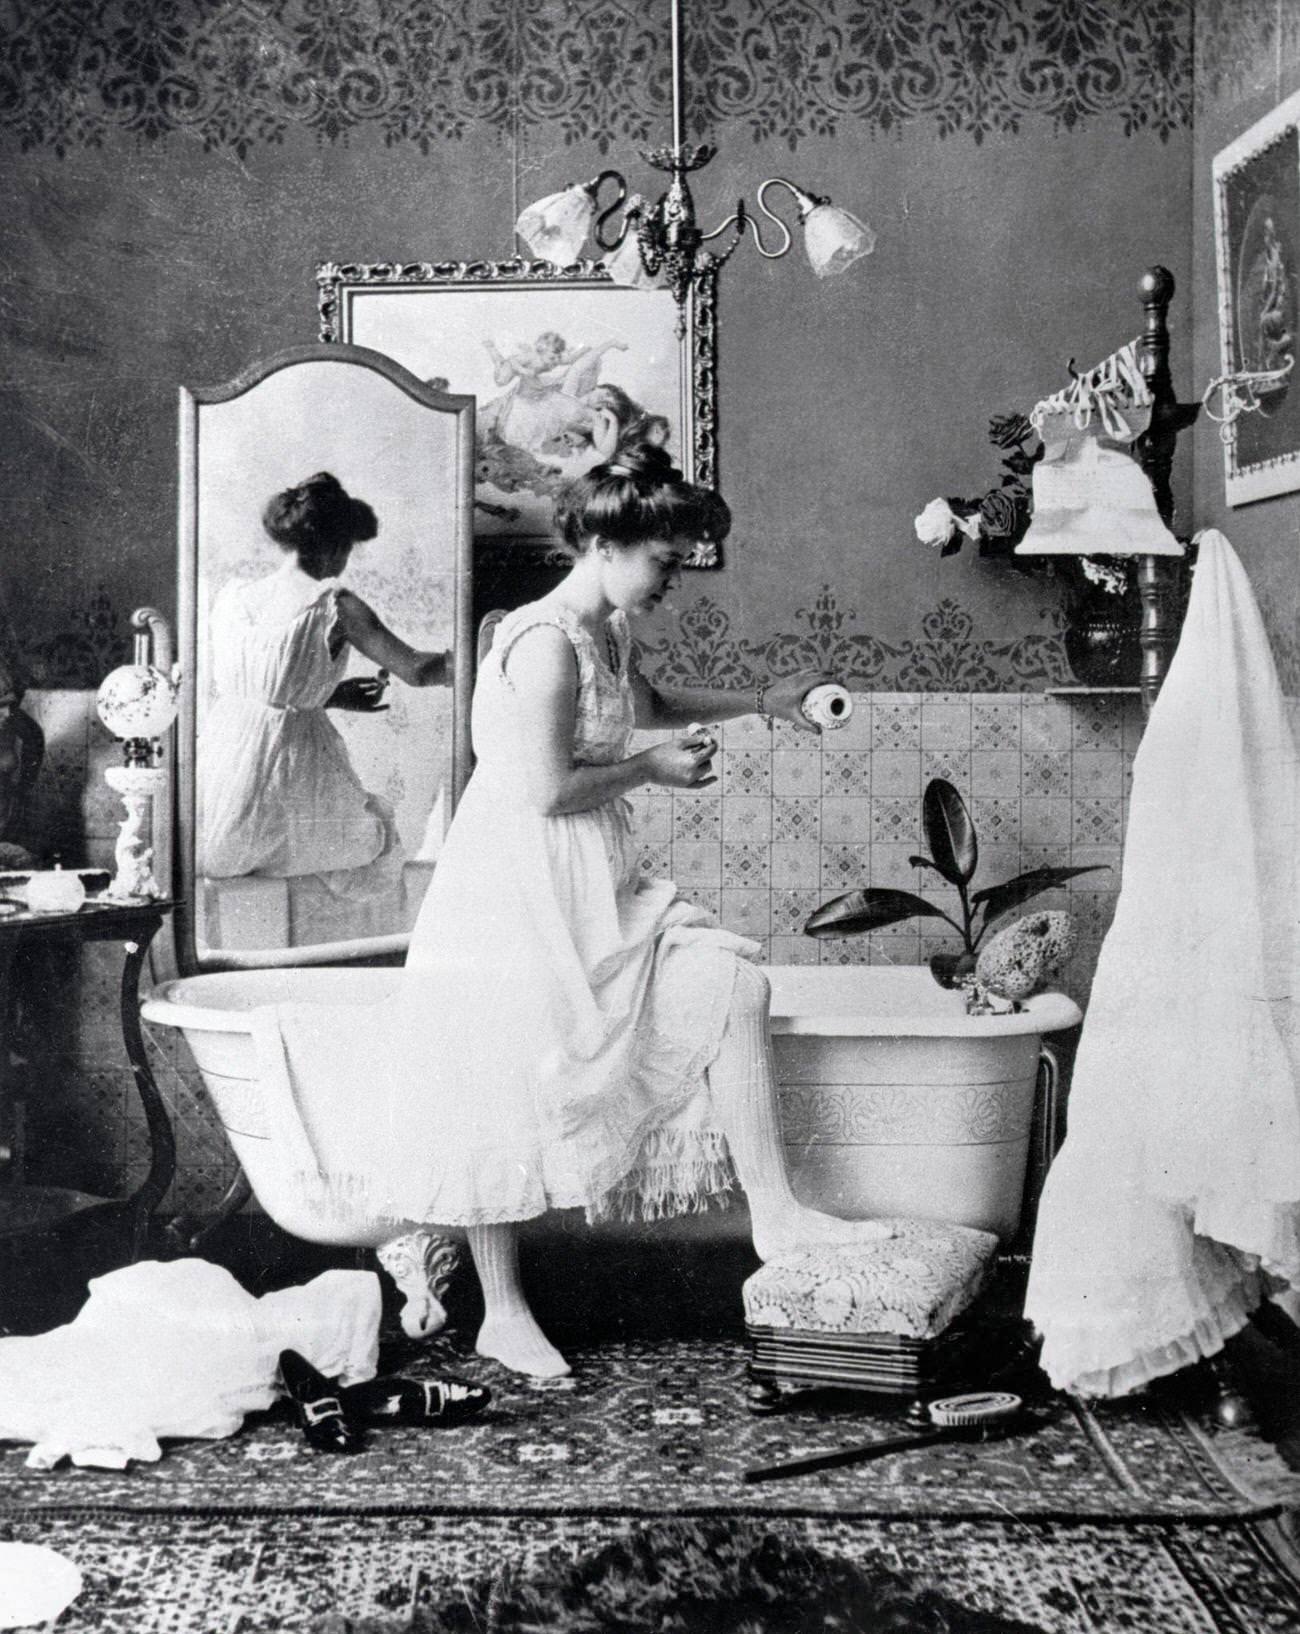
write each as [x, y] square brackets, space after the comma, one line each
[879, 1316]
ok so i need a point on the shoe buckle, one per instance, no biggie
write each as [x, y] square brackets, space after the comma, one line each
[324, 1407]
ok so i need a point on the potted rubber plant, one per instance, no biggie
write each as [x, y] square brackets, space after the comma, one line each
[954, 856]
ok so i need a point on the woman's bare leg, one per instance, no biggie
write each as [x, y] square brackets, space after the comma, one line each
[510, 1334]
[742, 1083]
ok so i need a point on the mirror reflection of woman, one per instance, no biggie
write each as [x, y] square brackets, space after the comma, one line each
[278, 794]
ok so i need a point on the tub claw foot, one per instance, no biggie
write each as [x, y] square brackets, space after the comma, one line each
[422, 1266]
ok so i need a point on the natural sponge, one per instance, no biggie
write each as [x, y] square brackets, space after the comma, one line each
[1019, 959]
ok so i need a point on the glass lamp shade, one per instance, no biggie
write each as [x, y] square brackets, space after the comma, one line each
[556, 227]
[137, 701]
[835, 239]
[625, 266]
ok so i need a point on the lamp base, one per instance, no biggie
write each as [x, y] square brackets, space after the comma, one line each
[139, 787]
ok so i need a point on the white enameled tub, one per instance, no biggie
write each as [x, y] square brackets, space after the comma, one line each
[893, 1099]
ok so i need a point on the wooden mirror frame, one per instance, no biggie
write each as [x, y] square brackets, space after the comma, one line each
[192, 400]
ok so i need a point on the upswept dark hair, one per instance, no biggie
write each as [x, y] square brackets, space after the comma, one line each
[317, 516]
[639, 494]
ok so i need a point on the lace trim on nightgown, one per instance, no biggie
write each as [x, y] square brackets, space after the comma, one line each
[606, 714]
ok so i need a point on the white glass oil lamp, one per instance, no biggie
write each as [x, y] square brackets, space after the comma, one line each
[138, 703]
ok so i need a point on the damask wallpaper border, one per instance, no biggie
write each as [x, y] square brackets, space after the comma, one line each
[239, 75]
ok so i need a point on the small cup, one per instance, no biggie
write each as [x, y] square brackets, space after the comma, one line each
[828, 706]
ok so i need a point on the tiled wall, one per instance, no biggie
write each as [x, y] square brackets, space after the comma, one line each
[795, 819]
[792, 820]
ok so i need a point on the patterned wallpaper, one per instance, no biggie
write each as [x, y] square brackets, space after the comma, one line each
[1227, 70]
[235, 74]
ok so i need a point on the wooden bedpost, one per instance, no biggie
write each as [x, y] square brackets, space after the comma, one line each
[1158, 576]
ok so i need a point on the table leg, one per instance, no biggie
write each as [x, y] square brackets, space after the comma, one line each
[162, 1139]
[189, 1232]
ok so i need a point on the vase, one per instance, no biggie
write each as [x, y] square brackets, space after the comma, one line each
[1102, 640]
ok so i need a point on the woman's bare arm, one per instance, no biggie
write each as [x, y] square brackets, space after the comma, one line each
[362, 627]
[542, 672]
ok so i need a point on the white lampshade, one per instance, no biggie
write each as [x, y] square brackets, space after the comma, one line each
[556, 227]
[625, 266]
[834, 239]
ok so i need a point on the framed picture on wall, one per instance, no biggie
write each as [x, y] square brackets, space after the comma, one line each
[563, 364]
[1257, 237]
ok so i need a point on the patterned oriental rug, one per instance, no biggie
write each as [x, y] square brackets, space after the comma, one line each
[654, 1428]
[613, 1503]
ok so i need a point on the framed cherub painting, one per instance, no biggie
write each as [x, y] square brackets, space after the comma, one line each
[1257, 237]
[563, 364]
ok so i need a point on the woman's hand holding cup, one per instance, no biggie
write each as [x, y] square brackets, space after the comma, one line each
[782, 698]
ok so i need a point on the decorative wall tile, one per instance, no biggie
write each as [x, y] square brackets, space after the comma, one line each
[997, 822]
[1045, 775]
[746, 771]
[847, 773]
[895, 822]
[796, 819]
[656, 862]
[945, 725]
[707, 897]
[1046, 725]
[1046, 823]
[895, 723]
[795, 863]
[994, 724]
[846, 819]
[995, 772]
[791, 908]
[697, 817]
[845, 867]
[896, 774]
[794, 950]
[1098, 772]
[794, 774]
[748, 913]
[1098, 723]
[654, 821]
[746, 863]
[697, 862]
[747, 817]
[890, 866]
[953, 765]
[1097, 822]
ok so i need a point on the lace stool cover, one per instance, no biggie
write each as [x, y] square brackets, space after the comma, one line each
[869, 1316]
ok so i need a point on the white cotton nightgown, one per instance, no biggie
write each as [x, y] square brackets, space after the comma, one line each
[278, 794]
[175, 1350]
[546, 1043]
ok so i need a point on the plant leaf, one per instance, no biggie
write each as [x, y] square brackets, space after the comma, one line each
[921, 862]
[860, 911]
[949, 831]
[999, 899]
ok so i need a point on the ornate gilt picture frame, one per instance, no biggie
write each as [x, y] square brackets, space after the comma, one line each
[1257, 238]
[560, 362]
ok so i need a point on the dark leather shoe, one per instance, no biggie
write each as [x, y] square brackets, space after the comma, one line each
[430, 1402]
[320, 1413]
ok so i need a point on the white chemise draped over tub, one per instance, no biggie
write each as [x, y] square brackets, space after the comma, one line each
[278, 794]
[546, 1044]
[1174, 1204]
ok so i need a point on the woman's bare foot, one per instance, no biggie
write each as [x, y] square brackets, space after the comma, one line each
[779, 1230]
[519, 1344]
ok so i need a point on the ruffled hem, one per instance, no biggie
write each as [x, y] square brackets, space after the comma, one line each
[677, 1172]
[1069, 1355]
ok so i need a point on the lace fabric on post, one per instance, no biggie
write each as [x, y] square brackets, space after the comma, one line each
[1175, 1201]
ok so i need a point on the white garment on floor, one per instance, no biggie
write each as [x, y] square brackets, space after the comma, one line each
[1179, 1180]
[175, 1349]
[277, 791]
[547, 1044]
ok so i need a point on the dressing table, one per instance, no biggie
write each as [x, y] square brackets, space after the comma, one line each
[113, 1230]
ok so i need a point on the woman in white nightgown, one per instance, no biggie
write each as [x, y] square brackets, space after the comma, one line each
[278, 794]
[565, 1033]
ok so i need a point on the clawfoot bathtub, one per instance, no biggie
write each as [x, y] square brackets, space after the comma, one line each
[893, 1100]
[213, 1013]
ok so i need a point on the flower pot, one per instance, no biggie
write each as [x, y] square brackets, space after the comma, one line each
[1101, 641]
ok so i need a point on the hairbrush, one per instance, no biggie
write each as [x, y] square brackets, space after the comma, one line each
[952, 1418]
